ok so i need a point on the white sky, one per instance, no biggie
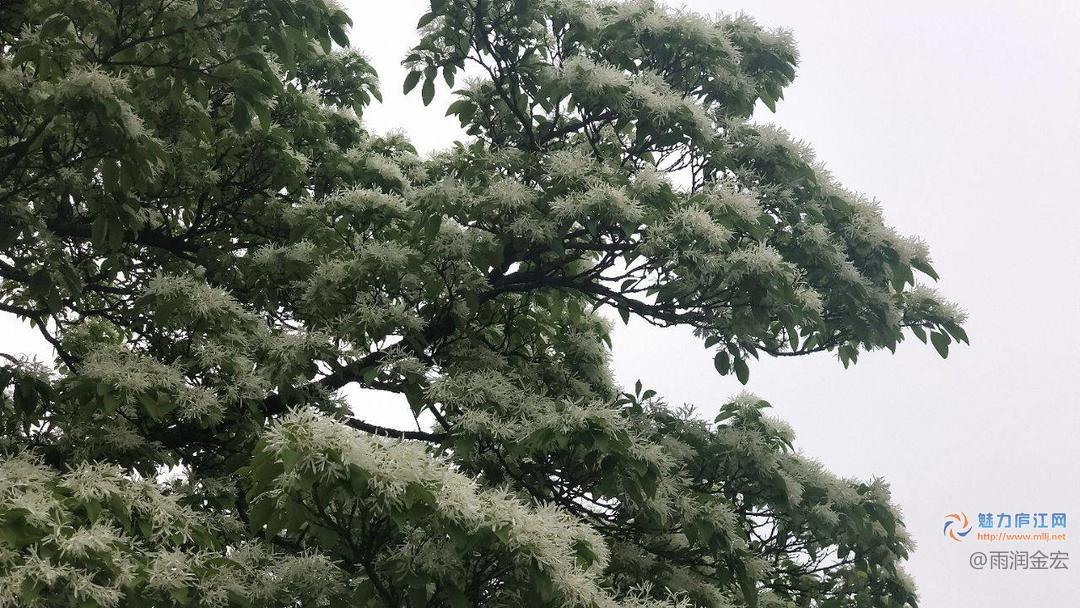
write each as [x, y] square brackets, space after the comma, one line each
[961, 117]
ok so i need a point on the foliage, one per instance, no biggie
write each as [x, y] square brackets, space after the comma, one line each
[193, 214]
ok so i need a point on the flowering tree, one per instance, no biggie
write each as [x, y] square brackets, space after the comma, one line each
[194, 216]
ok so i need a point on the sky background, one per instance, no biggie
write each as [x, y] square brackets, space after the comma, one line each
[961, 118]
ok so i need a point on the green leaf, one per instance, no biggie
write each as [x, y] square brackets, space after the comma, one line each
[263, 112]
[742, 371]
[415, 397]
[793, 337]
[457, 599]
[54, 25]
[432, 226]
[241, 116]
[180, 596]
[919, 332]
[418, 596]
[282, 47]
[941, 343]
[111, 401]
[458, 106]
[427, 93]
[958, 333]
[769, 102]
[722, 362]
[925, 267]
[259, 514]
[410, 82]
[340, 37]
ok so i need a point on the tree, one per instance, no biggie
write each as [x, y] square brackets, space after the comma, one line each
[194, 216]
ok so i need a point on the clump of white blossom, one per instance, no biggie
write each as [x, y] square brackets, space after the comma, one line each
[318, 450]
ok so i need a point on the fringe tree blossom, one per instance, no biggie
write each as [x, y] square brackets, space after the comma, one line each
[196, 217]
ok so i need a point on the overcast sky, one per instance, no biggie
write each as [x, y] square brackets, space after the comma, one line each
[961, 118]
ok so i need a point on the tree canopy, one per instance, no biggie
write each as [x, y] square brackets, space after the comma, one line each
[195, 216]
